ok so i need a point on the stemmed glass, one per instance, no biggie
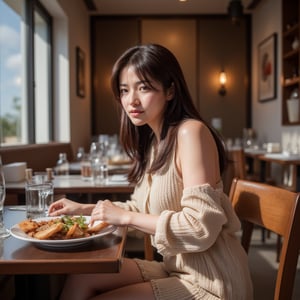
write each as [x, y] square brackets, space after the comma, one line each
[3, 231]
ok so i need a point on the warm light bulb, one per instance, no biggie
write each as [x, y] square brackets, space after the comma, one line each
[222, 78]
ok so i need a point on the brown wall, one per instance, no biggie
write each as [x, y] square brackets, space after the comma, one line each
[110, 38]
[203, 45]
[222, 45]
[179, 35]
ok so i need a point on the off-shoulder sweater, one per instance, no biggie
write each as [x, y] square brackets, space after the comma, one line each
[196, 235]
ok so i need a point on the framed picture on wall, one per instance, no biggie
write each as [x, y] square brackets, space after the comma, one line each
[80, 72]
[267, 69]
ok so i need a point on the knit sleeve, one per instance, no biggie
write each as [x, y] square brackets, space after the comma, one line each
[196, 227]
[135, 199]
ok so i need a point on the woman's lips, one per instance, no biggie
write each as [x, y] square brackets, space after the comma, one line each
[135, 112]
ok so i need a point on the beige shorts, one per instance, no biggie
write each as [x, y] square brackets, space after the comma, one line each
[170, 287]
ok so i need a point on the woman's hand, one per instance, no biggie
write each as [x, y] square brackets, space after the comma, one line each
[65, 206]
[110, 213]
[106, 211]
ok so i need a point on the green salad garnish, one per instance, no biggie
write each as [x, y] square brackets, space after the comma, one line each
[69, 221]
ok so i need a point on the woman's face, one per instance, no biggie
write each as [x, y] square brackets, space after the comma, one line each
[143, 103]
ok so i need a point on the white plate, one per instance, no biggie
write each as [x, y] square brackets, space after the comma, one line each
[59, 244]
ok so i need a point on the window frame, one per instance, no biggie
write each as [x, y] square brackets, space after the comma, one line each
[30, 7]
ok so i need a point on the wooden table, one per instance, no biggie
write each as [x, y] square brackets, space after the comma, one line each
[253, 162]
[23, 259]
[73, 184]
[290, 168]
[20, 257]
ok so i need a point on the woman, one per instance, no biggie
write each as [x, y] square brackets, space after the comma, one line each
[177, 164]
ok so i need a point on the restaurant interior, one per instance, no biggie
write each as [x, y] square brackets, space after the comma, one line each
[241, 61]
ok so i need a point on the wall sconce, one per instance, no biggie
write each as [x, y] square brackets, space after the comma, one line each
[235, 11]
[222, 79]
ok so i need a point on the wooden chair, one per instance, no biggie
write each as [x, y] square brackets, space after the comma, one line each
[277, 210]
[237, 168]
[149, 254]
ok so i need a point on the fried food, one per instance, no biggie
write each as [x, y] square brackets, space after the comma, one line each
[75, 232]
[97, 227]
[50, 231]
[71, 231]
[66, 227]
[28, 225]
[78, 232]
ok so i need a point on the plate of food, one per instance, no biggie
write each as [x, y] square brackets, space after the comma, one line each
[61, 232]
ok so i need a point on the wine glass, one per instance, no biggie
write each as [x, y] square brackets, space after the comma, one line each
[3, 231]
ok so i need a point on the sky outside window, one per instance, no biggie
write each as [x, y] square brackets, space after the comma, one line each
[10, 64]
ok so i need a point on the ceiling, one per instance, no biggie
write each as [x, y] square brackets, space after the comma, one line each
[148, 7]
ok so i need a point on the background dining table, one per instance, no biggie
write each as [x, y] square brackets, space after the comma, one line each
[117, 188]
[260, 165]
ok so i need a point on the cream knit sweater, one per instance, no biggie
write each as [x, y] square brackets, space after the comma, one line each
[195, 234]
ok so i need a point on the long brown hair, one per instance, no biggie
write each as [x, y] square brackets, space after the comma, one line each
[155, 62]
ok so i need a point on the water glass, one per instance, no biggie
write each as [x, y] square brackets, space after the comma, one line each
[100, 172]
[4, 232]
[49, 195]
[45, 178]
[99, 162]
[38, 197]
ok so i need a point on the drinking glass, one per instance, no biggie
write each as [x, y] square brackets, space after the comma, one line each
[86, 167]
[3, 231]
[99, 162]
[44, 183]
[39, 195]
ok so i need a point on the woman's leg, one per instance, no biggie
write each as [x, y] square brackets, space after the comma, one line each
[135, 291]
[85, 286]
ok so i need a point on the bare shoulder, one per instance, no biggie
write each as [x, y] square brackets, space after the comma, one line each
[192, 128]
[194, 138]
[197, 156]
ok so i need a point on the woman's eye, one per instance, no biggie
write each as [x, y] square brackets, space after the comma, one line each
[144, 88]
[123, 91]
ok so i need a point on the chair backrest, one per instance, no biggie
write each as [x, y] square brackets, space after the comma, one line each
[277, 210]
[236, 168]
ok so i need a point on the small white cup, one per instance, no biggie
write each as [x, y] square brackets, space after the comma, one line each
[14, 172]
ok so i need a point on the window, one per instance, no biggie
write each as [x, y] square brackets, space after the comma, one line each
[25, 73]
[11, 74]
[42, 76]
